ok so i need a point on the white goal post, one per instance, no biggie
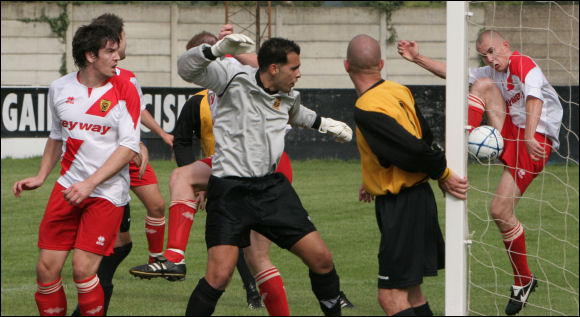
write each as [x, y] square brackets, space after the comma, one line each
[455, 140]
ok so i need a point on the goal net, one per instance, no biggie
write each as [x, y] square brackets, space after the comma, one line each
[548, 210]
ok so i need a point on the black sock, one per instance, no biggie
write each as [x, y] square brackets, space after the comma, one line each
[246, 275]
[326, 287]
[106, 271]
[203, 299]
[423, 310]
[407, 312]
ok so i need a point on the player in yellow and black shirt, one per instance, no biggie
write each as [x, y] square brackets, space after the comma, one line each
[394, 141]
[398, 158]
[194, 120]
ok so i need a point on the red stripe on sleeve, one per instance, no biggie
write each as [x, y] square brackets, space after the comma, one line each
[133, 101]
[521, 65]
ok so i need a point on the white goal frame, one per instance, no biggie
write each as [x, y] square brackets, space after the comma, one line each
[456, 238]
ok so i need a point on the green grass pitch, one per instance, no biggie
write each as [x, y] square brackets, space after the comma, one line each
[329, 191]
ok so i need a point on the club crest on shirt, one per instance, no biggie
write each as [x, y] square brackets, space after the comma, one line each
[277, 104]
[105, 105]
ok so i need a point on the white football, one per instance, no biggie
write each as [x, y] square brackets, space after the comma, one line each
[485, 143]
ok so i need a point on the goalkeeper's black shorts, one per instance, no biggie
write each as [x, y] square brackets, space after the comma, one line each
[126, 222]
[268, 205]
[412, 244]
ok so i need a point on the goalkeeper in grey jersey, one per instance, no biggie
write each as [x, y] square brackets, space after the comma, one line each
[244, 192]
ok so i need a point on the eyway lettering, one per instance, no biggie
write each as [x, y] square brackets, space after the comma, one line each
[71, 125]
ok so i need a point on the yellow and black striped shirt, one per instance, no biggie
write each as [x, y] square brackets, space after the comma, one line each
[194, 119]
[394, 141]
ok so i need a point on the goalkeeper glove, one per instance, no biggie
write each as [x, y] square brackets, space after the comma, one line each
[233, 44]
[339, 130]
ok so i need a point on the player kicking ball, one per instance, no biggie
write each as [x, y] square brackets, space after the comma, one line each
[520, 102]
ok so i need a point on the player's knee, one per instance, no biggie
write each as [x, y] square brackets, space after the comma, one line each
[500, 210]
[46, 273]
[219, 279]
[324, 262]
[123, 238]
[258, 264]
[483, 87]
[156, 209]
[82, 272]
[175, 178]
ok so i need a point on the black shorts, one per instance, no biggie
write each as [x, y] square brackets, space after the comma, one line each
[412, 244]
[268, 205]
[126, 222]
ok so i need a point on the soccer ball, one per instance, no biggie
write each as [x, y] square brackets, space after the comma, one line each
[485, 143]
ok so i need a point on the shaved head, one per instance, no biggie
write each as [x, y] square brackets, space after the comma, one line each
[364, 54]
[494, 36]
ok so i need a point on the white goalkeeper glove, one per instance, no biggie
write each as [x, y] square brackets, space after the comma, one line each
[339, 130]
[233, 44]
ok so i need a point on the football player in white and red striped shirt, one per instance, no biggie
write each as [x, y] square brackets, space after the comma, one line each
[95, 130]
[520, 102]
[143, 182]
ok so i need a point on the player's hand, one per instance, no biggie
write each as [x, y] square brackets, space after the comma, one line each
[535, 149]
[225, 31]
[78, 192]
[456, 186]
[408, 50]
[168, 139]
[144, 157]
[363, 195]
[233, 44]
[200, 199]
[339, 130]
[29, 183]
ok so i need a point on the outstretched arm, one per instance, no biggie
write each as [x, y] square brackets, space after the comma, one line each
[250, 59]
[410, 51]
[303, 117]
[196, 65]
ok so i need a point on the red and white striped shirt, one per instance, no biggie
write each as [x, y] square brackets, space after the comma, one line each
[524, 78]
[93, 123]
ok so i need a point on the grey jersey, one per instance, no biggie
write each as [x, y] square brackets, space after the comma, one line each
[249, 124]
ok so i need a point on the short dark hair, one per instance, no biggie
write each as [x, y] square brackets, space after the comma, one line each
[200, 38]
[111, 20]
[91, 38]
[275, 51]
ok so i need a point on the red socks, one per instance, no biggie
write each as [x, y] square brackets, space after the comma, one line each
[91, 297]
[51, 299]
[476, 108]
[181, 214]
[515, 244]
[155, 232]
[273, 293]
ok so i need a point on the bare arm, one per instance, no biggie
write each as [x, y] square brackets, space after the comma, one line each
[52, 153]
[410, 51]
[148, 121]
[143, 159]
[250, 59]
[533, 113]
[78, 192]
